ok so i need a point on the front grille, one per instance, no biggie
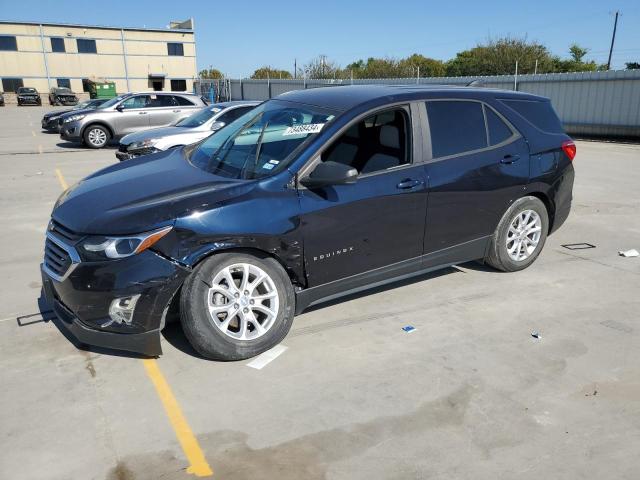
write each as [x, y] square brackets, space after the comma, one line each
[63, 232]
[56, 259]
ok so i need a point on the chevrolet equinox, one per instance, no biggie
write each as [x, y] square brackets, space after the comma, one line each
[310, 196]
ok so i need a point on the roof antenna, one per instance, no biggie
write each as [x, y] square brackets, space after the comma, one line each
[475, 83]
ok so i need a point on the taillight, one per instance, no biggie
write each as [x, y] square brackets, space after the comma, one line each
[569, 148]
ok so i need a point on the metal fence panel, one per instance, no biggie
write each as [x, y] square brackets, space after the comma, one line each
[589, 103]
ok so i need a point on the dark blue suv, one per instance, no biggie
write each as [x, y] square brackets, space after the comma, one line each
[312, 195]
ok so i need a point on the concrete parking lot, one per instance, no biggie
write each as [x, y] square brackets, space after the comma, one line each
[469, 394]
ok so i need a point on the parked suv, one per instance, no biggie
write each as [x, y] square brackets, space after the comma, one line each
[192, 129]
[62, 96]
[313, 195]
[127, 114]
[28, 96]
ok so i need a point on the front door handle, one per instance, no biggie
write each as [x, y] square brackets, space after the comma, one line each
[177, 111]
[509, 159]
[408, 183]
[142, 113]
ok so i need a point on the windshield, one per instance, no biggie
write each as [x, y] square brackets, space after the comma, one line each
[83, 105]
[198, 118]
[260, 142]
[113, 101]
[63, 90]
[27, 90]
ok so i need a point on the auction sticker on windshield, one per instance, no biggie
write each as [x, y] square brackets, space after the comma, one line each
[303, 129]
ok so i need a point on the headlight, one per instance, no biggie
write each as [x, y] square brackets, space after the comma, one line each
[101, 248]
[73, 118]
[149, 142]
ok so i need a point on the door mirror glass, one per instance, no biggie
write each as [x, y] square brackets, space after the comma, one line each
[217, 125]
[330, 173]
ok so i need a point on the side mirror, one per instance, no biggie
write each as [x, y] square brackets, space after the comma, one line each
[217, 126]
[120, 108]
[330, 173]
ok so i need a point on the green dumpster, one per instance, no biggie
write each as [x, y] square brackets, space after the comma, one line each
[102, 89]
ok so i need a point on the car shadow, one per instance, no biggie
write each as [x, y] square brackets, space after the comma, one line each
[174, 335]
[77, 146]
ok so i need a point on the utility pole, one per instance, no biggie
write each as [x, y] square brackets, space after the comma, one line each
[613, 39]
[515, 78]
[535, 70]
[295, 68]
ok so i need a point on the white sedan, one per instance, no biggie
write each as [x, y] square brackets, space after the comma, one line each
[189, 130]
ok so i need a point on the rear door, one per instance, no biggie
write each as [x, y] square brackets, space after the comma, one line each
[479, 165]
[377, 221]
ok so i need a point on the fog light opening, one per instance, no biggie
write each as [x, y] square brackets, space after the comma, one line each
[121, 310]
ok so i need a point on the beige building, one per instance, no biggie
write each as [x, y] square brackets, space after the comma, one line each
[45, 55]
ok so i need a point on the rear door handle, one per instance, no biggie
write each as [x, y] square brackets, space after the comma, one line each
[509, 159]
[177, 111]
[408, 183]
[142, 113]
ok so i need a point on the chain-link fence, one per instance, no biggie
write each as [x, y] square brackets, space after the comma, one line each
[590, 103]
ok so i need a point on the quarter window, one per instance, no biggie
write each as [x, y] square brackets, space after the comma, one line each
[57, 45]
[179, 85]
[498, 130]
[456, 127]
[86, 46]
[183, 101]
[376, 143]
[8, 43]
[11, 84]
[175, 49]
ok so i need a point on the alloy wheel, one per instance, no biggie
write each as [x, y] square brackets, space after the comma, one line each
[243, 301]
[524, 235]
[97, 137]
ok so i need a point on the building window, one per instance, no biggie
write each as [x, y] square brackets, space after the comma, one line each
[175, 49]
[64, 83]
[8, 43]
[86, 46]
[11, 84]
[179, 85]
[57, 45]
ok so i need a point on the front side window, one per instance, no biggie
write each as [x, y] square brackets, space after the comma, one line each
[57, 45]
[11, 84]
[8, 43]
[175, 49]
[138, 101]
[456, 127]
[86, 46]
[378, 142]
[261, 142]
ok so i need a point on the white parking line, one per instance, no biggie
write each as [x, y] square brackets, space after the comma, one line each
[267, 357]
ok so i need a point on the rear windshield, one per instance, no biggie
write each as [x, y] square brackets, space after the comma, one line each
[539, 113]
[198, 118]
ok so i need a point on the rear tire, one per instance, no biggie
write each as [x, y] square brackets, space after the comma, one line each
[224, 321]
[520, 235]
[96, 136]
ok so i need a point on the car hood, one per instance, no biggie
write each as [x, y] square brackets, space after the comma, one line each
[57, 113]
[153, 133]
[142, 194]
[78, 112]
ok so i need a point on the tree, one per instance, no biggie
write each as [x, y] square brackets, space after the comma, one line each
[577, 52]
[633, 65]
[211, 73]
[320, 67]
[270, 72]
[428, 66]
[576, 63]
[498, 57]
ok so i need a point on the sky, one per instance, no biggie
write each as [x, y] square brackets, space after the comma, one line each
[239, 36]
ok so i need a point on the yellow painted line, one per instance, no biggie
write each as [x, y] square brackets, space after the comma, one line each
[190, 446]
[33, 133]
[40, 149]
[63, 182]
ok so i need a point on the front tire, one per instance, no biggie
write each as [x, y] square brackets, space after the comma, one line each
[520, 235]
[96, 136]
[235, 306]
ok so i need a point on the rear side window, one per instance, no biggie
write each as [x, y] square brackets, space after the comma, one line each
[498, 130]
[539, 113]
[456, 127]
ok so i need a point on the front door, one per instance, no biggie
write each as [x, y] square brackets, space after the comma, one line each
[377, 221]
[480, 165]
[133, 115]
